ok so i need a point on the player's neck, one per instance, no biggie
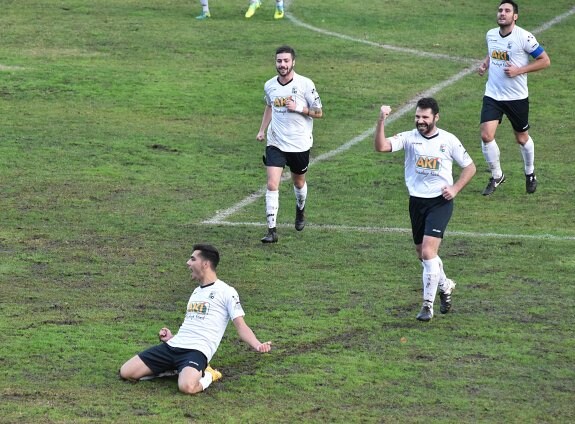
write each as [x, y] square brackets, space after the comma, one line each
[506, 30]
[209, 278]
[285, 79]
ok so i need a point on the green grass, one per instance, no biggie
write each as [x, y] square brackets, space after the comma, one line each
[126, 124]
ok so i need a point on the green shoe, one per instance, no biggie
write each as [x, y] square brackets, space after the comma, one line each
[279, 13]
[252, 9]
[204, 16]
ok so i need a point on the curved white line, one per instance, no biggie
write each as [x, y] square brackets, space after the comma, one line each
[222, 215]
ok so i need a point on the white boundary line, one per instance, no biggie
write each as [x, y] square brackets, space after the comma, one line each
[399, 230]
[414, 52]
[10, 68]
[221, 216]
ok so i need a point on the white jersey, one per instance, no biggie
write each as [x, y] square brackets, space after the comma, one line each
[291, 131]
[429, 161]
[207, 315]
[515, 48]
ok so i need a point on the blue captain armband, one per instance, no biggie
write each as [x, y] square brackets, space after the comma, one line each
[537, 52]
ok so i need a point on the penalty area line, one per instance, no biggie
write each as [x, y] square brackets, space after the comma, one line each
[371, 229]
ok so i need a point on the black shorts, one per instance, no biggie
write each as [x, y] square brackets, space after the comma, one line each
[429, 217]
[297, 161]
[164, 357]
[517, 111]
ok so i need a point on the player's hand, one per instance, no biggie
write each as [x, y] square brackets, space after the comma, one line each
[165, 334]
[292, 106]
[384, 111]
[261, 136]
[511, 70]
[482, 69]
[448, 192]
[264, 347]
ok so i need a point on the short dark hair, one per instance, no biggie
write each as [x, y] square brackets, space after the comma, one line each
[512, 3]
[208, 253]
[286, 49]
[428, 103]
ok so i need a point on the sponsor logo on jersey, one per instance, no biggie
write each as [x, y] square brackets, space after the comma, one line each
[500, 55]
[198, 310]
[281, 101]
[424, 162]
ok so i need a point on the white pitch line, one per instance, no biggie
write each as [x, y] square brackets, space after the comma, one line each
[398, 230]
[9, 68]
[220, 216]
[553, 21]
[405, 50]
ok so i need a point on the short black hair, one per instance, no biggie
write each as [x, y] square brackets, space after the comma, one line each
[286, 49]
[428, 103]
[208, 253]
[512, 3]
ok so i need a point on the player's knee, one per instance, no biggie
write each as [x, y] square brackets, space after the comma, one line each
[190, 388]
[487, 137]
[522, 138]
[125, 373]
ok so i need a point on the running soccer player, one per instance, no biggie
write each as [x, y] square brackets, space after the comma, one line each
[506, 93]
[429, 156]
[291, 104]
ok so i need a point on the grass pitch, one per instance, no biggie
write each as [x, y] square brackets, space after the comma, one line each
[128, 126]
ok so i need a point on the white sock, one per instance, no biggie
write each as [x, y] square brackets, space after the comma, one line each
[280, 4]
[272, 206]
[205, 6]
[528, 153]
[442, 276]
[206, 380]
[431, 271]
[491, 154]
[300, 195]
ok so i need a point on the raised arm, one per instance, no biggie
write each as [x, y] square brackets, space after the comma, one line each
[381, 143]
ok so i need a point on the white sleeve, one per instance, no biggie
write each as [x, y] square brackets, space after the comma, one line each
[459, 154]
[312, 96]
[397, 142]
[233, 305]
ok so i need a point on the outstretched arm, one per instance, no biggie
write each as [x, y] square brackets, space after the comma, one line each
[381, 143]
[247, 336]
